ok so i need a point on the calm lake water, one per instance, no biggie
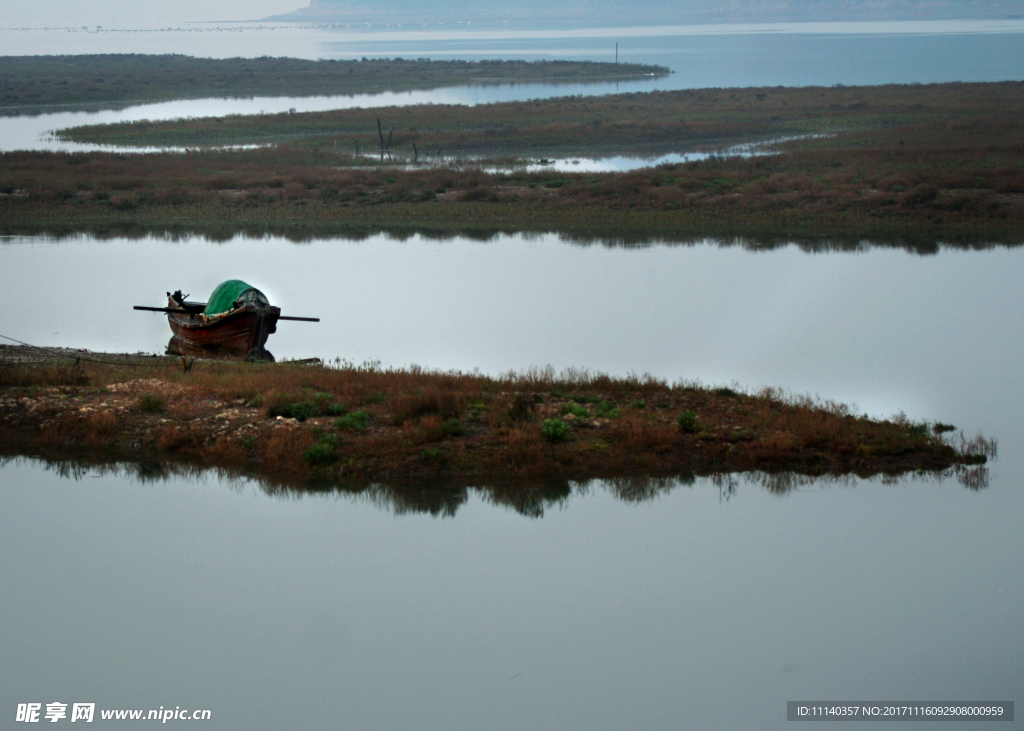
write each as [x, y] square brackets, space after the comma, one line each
[699, 607]
[691, 609]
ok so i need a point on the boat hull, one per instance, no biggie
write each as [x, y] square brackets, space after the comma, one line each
[243, 331]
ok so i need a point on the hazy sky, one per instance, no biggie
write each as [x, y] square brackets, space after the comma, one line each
[158, 13]
[134, 13]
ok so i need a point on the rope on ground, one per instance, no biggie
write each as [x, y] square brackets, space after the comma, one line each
[186, 363]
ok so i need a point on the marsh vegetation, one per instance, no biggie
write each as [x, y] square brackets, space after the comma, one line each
[951, 179]
[368, 423]
[941, 161]
[635, 123]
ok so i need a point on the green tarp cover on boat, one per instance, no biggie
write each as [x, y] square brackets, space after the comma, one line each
[225, 296]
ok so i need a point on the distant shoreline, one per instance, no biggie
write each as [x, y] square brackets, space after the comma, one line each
[701, 12]
[36, 84]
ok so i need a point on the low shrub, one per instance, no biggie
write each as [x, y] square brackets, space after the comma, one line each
[356, 421]
[555, 430]
[688, 423]
[302, 408]
[577, 411]
[320, 454]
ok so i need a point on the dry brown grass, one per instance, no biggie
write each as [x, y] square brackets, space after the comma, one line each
[462, 427]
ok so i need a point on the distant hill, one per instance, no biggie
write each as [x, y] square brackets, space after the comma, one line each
[638, 12]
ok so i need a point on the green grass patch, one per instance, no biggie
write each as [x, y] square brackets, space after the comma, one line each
[577, 411]
[688, 423]
[304, 406]
[555, 430]
[356, 421]
[323, 453]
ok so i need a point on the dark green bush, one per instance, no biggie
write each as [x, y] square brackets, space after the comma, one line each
[688, 423]
[356, 421]
[303, 410]
[555, 430]
[320, 454]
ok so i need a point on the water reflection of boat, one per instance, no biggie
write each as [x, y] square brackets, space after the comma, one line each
[238, 319]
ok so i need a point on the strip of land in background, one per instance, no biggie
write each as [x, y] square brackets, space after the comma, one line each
[639, 123]
[367, 424]
[923, 163]
[32, 84]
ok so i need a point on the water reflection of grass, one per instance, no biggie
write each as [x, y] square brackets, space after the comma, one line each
[281, 421]
[444, 498]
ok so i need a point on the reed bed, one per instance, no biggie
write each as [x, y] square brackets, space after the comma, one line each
[638, 121]
[942, 161]
[938, 179]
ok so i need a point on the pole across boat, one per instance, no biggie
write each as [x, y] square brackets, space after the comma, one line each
[237, 319]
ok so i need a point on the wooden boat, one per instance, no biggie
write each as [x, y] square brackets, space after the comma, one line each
[238, 319]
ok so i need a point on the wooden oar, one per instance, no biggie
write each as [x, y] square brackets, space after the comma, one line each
[169, 310]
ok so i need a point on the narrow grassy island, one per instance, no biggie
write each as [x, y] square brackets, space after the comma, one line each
[346, 424]
[44, 83]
